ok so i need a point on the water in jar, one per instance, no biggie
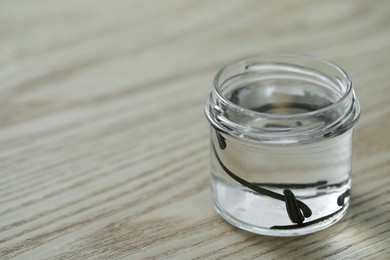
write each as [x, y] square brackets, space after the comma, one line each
[318, 173]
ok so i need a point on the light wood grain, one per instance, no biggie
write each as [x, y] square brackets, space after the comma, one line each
[103, 143]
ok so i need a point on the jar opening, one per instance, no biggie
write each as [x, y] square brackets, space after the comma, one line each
[282, 85]
[284, 98]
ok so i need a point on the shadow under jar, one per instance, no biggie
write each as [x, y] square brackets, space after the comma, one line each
[281, 143]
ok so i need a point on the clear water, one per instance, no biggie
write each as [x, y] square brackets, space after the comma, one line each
[317, 173]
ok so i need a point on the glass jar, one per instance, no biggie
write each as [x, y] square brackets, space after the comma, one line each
[281, 143]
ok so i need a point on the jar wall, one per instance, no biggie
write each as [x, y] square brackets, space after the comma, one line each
[281, 143]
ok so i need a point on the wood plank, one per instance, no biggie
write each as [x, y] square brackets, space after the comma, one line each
[103, 142]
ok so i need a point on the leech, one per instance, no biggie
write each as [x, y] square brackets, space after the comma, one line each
[221, 140]
[292, 185]
[302, 206]
[294, 213]
[334, 185]
[340, 199]
[309, 222]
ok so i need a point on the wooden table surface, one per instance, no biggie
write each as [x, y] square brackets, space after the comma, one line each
[104, 149]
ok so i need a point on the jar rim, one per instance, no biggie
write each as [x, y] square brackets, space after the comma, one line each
[298, 56]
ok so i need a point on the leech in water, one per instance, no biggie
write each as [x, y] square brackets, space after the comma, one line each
[309, 222]
[221, 140]
[300, 205]
[340, 199]
[292, 207]
[296, 209]
[318, 184]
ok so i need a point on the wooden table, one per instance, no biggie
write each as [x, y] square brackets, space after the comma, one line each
[104, 149]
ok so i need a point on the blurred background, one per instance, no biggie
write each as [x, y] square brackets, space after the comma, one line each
[103, 142]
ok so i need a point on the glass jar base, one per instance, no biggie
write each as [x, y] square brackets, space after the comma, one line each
[281, 232]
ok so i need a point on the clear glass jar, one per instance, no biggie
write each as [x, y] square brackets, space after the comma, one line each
[281, 143]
